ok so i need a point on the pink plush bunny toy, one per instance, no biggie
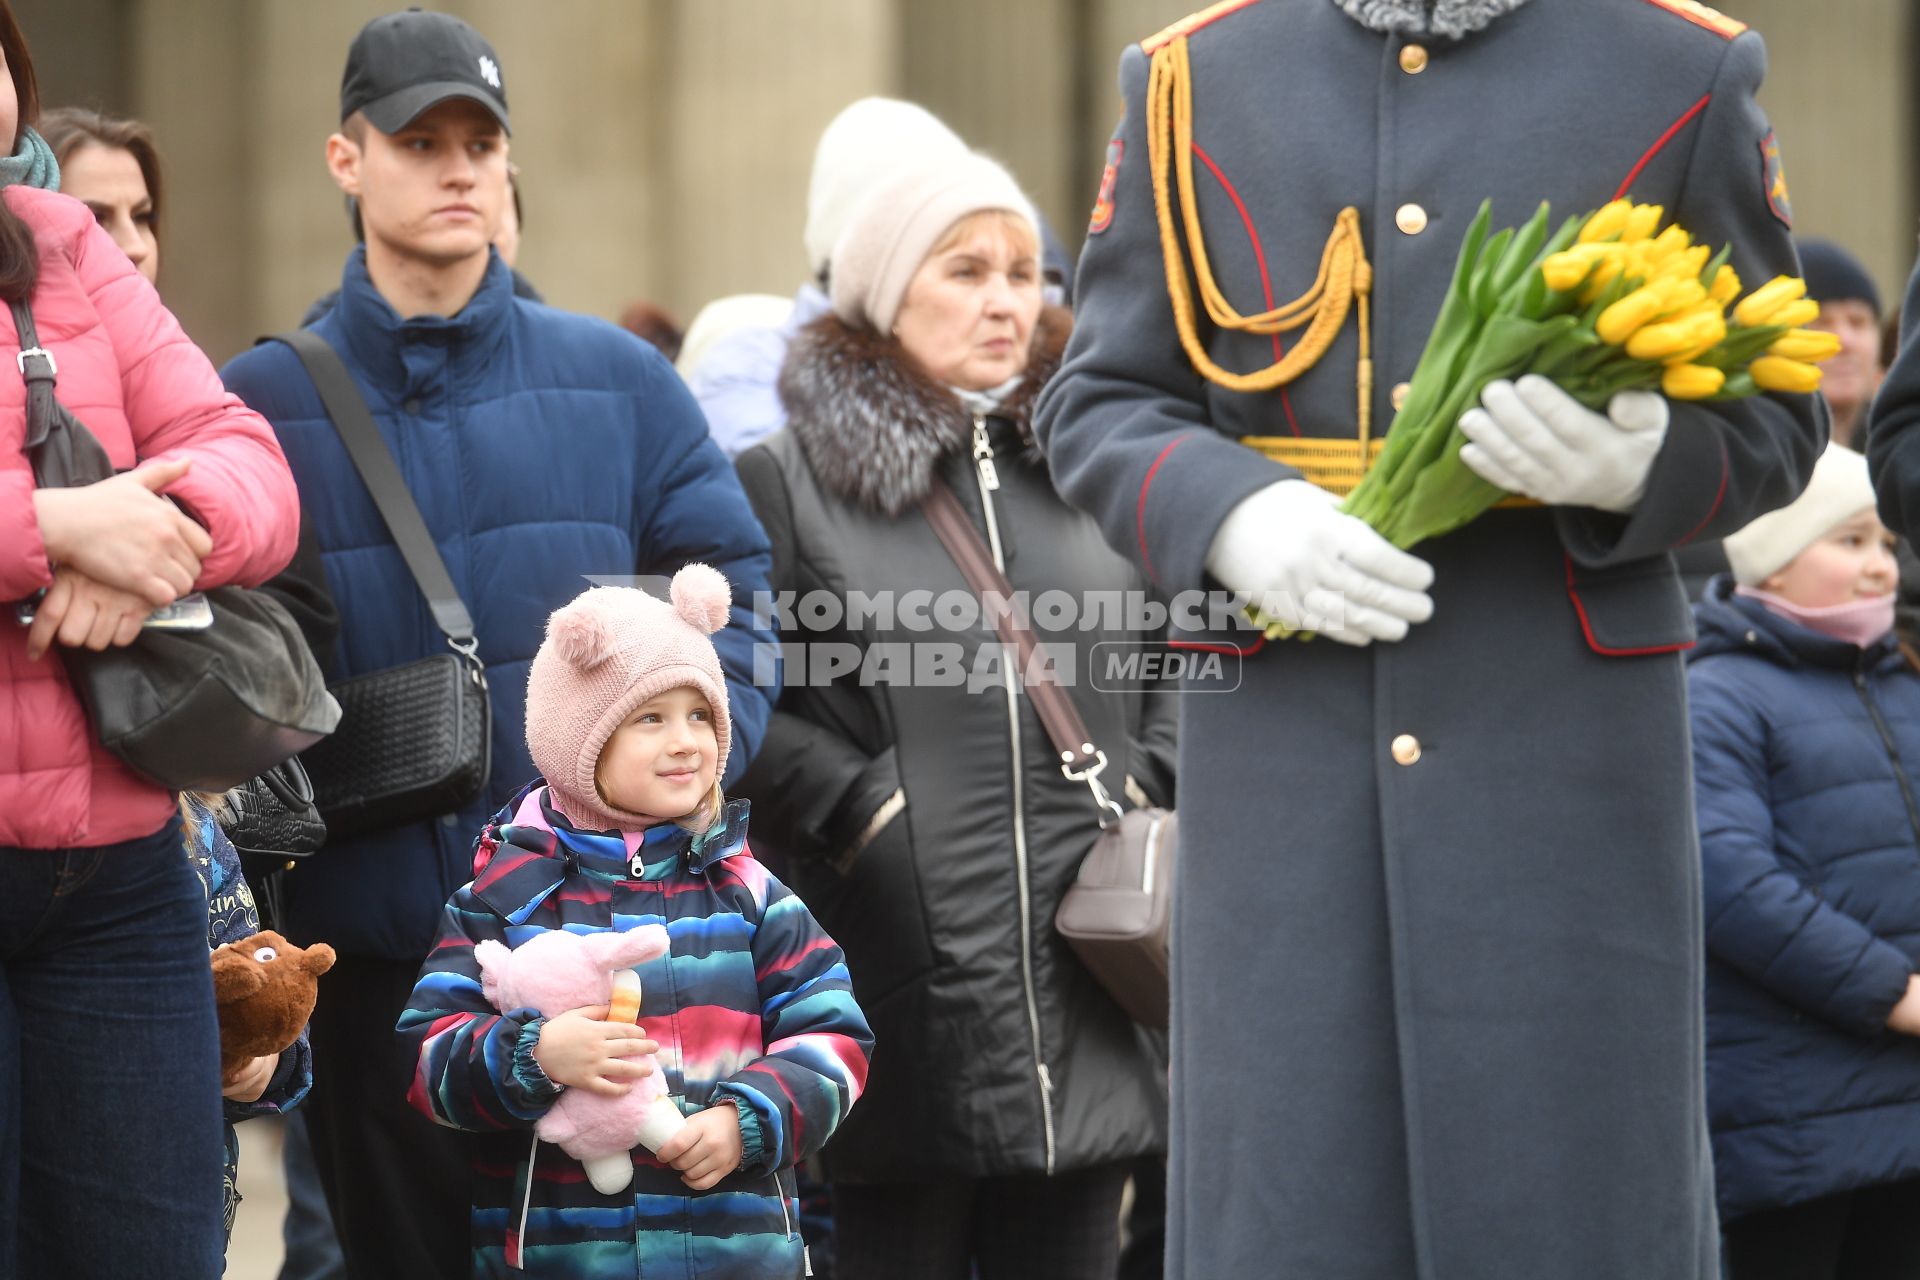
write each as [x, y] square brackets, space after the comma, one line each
[557, 971]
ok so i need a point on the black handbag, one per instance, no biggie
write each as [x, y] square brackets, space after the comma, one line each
[1117, 912]
[414, 740]
[273, 824]
[190, 710]
[272, 815]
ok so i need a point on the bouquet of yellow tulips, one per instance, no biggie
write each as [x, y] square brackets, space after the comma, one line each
[1607, 303]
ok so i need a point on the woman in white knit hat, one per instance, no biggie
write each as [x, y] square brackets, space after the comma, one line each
[1806, 732]
[915, 791]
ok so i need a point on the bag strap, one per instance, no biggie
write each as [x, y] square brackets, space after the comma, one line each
[378, 471]
[60, 448]
[1080, 760]
[38, 370]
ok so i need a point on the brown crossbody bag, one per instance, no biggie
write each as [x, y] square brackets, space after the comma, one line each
[1116, 913]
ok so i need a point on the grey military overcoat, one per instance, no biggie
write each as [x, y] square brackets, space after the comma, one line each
[1438, 939]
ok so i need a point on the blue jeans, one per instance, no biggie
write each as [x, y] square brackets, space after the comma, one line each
[110, 1133]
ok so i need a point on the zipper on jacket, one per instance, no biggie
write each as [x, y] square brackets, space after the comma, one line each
[989, 479]
[1893, 750]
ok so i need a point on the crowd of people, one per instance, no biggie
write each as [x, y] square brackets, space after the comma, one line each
[1534, 920]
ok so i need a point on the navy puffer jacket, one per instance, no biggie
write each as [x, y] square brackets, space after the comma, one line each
[541, 447]
[1804, 749]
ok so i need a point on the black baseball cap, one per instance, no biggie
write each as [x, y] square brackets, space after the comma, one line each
[403, 63]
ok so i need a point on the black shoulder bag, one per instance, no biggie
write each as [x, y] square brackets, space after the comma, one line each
[414, 740]
[191, 710]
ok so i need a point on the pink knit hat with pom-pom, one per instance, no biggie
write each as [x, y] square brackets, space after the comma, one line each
[606, 652]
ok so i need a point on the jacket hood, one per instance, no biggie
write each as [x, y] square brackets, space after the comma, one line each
[1728, 623]
[873, 427]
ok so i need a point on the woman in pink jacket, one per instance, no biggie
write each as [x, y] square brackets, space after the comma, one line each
[110, 1150]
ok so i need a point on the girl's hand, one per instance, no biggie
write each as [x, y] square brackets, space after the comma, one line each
[707, 1149]
[1905, 1017]
[80, 612]
[581, 1050]
[122, 533]
[246, 1082]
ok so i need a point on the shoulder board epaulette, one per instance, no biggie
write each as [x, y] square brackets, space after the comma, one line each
[1192, 23]
[1701, 15]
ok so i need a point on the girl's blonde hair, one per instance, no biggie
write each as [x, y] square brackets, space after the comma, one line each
[709, 811]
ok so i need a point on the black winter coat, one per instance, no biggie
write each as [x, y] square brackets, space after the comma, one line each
[927, 823]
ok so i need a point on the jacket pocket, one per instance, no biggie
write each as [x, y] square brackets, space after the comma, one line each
[868, 895]
[1631, 609]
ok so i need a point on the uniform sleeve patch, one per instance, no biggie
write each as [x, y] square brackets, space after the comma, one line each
[1773, 180]
[1103, 203]
[1701, 15]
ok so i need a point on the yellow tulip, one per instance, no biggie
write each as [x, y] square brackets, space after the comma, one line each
[1726, 285]
[1680, 292]
[1795, 314]
[1641, 222]
[1668, 243]
[1658, 341]
[1688, 262]
[1606, 222]
[1619, 321]
[1777, 373]
[1757, 307]
[1566, 269]
[1689, 334]
[1608, 263]
[1692, 381]
[1810, 345]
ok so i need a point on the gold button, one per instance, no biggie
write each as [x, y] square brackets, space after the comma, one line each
[1413, 59]
[1410, 218]
[1399, 394]
[1406, 749]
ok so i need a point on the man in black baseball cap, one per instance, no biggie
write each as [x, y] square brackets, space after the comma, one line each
[403, 63]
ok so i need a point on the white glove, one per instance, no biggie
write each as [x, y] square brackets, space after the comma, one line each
[1314, 568]
[1533, 439]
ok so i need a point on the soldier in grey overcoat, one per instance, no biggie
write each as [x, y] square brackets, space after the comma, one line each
[1437, 936]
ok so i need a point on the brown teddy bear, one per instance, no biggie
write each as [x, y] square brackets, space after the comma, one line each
[265, 988]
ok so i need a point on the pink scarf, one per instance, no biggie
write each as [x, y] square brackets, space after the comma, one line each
[1857, 622]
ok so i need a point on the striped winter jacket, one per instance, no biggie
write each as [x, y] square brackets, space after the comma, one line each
[752, 1004]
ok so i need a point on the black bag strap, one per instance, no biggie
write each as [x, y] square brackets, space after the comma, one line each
[378, 471]
[1080, 760]
[37, 367]
[59, 447]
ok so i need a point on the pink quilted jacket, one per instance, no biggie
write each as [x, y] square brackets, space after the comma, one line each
[129, 372]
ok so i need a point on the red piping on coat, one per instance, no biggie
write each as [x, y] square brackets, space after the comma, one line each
[1662, 141]
[1199, 647]
[1573, 593]
[1259, 256]
[1140, 507]
[1718, 498]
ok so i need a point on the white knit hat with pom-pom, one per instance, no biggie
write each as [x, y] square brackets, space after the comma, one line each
[606, 652]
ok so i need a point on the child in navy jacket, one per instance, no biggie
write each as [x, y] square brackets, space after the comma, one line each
[1806, 732]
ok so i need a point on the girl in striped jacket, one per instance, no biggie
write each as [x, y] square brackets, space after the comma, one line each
[750, 1012]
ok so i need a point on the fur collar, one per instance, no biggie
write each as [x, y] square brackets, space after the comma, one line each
[1453, 18]
[874, 427]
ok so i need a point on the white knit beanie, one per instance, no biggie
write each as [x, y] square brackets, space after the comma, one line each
[865, 144]
[1838, 491]
[900, 221]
